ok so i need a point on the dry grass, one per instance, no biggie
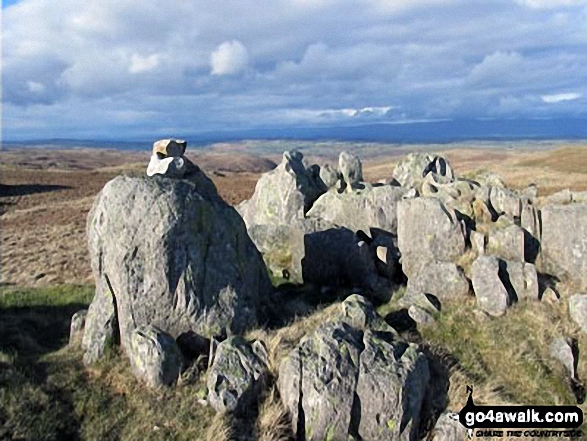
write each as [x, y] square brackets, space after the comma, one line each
[273, 422]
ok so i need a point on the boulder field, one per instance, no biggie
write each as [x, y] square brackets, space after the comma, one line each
[181, 276]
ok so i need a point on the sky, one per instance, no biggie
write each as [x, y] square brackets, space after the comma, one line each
[132, 69]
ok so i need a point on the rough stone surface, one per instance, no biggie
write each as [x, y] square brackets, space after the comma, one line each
[420, 315]
[330, 176]
[391, 387]
[505, 202]
[448, 428]
[427, 232]
[371, 207]
[523, 279]
[411, 171]
[283, 195]
[173, 254]
[360, 313]
[442, 279]
[350, 169]
[237, 375]
[492, 296]
[506, 243]
[561, 350]
[341, 382]
[550, 296]
[564, 242]
[578, 310]
[76, 329]
[338, 257]
[477, 242]
[154, 356]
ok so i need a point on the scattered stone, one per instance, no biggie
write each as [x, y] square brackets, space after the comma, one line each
[76, 329]
[165, 253]
[448, 428]
[442, 279]
[154, 356]
[564, 242]
[237, 375]
[350, 169]
[427, 232]
[562, 351]
[492, 296]
[578, 310]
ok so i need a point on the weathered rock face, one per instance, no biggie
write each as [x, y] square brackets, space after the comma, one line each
[154, 356]
[427, 231]
[562, 351]
[578, 310]
[523, 279]
[172, 254]
[505, 202]
[371, 207]
[359, 313]
[237, 375]
[564, 242]
[351, 170]
[283, 195]
[506, 243]
[330, 176]
[338, 257]
[492, 295]
[442, 279]
[343, 382]
[412, 170]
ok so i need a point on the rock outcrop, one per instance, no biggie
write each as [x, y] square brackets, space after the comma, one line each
[492, 295]
[237, 375]
[411, 171]
[172, 254]
[444, 280]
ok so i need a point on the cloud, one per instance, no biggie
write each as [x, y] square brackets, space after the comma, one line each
[560, 97]
[138, 66]
[229, 58]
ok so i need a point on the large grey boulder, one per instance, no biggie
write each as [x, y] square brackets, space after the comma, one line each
[170, 253]
[444, 280]
[492, 295]
[283, 195]
[505, 202]
[411, 171]
[578, 310]
[564, 242]
[237, 375]
[154, 356]
[342, 382]
[427, 231]
[351, 170]
[330, 176]
[370, 207]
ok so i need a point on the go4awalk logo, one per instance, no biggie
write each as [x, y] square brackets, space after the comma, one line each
[520, 421]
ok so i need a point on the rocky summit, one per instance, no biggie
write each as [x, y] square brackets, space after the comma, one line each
[181, 277]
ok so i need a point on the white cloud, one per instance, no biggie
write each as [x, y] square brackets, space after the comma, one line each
[229, 58]
[139, 64]
[560, 97]
[551, 4]
[35, 87]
